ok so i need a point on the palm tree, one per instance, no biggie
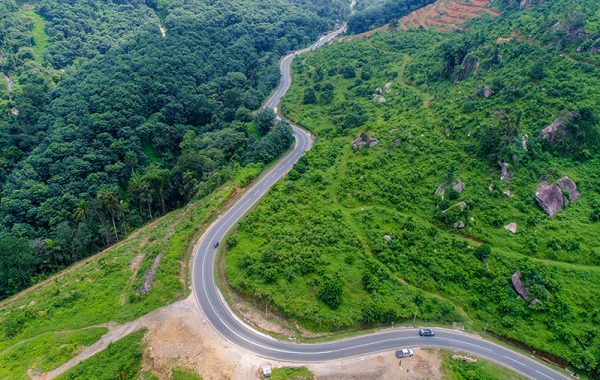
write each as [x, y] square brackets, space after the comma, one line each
[81, 210]
[110, 201]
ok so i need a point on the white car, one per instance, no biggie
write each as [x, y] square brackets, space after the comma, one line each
[404, 353]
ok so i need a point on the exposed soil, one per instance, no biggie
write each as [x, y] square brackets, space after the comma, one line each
[443, 16]
[179, 336]
[425, 364]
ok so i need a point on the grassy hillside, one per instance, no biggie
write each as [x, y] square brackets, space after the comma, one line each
[120, 360]
[38, 34]
[45, 326]
[358, 236]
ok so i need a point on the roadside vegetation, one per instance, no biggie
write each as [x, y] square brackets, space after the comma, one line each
[356, 235]
[292, 373]
[42, 352]
[455, 367]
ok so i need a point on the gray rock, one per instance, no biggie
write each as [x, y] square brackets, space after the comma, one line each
[459, 224]
[550, 198]
[525, 142]
[569, 188]
[378, 98]
[505, 174]
[554, 197]
[459, 186]
[512, 227]
[558, 129]
[365, 142]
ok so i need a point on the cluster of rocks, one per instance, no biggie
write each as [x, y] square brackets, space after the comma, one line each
[554, 197]
[470, 65]
[364, 141]
[458, 186]
[149, 278]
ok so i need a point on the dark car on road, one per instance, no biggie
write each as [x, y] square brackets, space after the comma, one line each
[426, 332]
[216, 244]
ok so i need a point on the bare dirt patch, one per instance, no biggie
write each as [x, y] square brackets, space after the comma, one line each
[425, 364]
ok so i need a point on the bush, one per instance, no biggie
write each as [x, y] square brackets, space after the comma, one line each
[331, 292]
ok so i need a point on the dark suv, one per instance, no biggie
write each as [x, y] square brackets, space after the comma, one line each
[426, 332]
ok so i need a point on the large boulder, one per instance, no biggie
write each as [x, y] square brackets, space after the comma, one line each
[569, 188]
[558, 130]
[554, 197]
[550, 198]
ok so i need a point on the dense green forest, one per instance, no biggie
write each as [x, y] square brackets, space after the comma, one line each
[402, 210]
[118, 111]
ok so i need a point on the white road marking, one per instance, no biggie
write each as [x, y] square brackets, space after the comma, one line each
[514, 360]
[543, 374]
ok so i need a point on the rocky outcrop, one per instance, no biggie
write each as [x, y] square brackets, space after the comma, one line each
[469, 65]
[149, 278]
[518, 285]
[569, 188]
[557, 131]
[505, 174]
[550, 198]
[459, 186]
[365, 141]
[554, 197]
[378, 98]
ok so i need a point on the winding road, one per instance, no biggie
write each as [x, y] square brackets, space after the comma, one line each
[232, 328]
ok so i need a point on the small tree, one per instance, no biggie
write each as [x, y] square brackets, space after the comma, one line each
[264, 120]
[483, 252]
[309, 96]
[331, 292]
[348, 72]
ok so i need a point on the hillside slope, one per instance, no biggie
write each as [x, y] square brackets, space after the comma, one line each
[402, 209]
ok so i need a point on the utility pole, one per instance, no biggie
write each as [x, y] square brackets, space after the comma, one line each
[320, 320]
[415, 318]
[486, 326]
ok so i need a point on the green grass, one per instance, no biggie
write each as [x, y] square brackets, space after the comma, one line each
[179, 374]
[330, 216]
[40, 38]
[291, 373]
[120, 360]
[152, 154]
[106, 287]
[454, 369]
[44, 352]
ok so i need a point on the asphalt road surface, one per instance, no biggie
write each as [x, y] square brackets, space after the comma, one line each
[237, 332]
